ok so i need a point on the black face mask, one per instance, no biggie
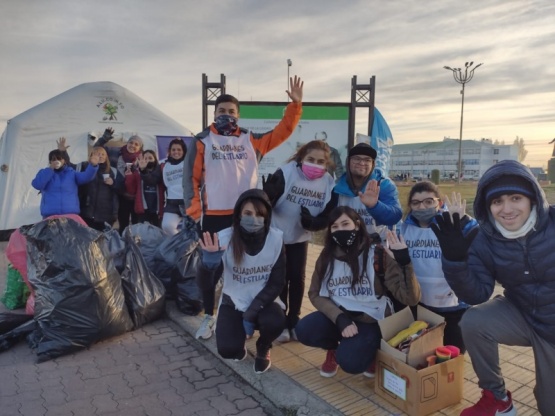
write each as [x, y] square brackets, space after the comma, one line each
[344, 238]
[151, 165]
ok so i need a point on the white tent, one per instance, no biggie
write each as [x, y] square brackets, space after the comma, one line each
[30, 136]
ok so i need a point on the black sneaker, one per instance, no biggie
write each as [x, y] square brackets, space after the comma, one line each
[262, 361]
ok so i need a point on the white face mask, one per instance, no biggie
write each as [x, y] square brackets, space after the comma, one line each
[57, 164]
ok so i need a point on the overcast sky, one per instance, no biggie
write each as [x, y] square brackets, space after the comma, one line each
[159, 50]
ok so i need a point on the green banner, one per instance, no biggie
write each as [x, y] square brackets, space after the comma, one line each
[275, 112]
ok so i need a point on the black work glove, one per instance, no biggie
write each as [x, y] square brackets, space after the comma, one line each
[402, 256]
[272, 187]
[108, 134]
[454, 244]
[310, 222]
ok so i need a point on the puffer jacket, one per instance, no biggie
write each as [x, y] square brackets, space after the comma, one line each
[99, 201]
[59, 189]
[525, 267]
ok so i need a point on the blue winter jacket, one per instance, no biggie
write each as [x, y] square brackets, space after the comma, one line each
[525, 267]
[388, 210]
[60, 188]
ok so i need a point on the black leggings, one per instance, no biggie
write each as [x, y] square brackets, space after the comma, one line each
[293, 292]
[230, 334]
[453, 333]
[126, 209]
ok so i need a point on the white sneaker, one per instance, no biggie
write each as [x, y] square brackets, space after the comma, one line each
[284, 336]
[206, 328]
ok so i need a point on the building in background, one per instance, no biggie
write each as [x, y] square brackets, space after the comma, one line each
[417, 160]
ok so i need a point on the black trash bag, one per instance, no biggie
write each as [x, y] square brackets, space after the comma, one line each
[147, 237]
[78, 294]
[189, 296]
[116, 245]
[9, 321]
[144, 293]
[10, 338]
[175, 265]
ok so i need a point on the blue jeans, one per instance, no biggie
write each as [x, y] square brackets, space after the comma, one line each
[354, 355]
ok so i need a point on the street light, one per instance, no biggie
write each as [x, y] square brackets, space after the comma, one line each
[289, 63]
[462, 78]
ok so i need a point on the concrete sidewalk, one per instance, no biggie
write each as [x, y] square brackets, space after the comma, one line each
[294, 384]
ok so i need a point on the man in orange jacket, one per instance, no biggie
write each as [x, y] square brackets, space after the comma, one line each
[222, 163]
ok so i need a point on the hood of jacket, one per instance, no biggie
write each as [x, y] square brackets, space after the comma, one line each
[508, 167]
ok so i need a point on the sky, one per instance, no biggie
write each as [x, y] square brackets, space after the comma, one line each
[159, 50]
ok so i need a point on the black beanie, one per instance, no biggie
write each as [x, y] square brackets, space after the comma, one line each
[363, 149]
[508, 185]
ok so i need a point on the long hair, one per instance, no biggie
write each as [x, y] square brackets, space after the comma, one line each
[313, 145]
[362, 244]
[237, 242]
[107, 168]
[178, 142]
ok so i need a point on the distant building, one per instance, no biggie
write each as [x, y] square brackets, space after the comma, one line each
[539, 173]
[417, 160]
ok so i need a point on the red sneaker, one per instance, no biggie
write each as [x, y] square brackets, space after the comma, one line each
[488, 405]
[371, 371]
[329, 367]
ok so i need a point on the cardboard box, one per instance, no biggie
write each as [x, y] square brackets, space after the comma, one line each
[417, 392]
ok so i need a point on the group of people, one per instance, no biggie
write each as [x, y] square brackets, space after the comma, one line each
[256, 240]
[125, 184]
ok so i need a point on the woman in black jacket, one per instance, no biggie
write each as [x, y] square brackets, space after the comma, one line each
[98, 199]
[250, 257]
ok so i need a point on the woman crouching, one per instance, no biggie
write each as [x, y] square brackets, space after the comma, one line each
[250, 257]
[349, 298]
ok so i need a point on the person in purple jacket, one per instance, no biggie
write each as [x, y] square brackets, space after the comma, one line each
[59, 184]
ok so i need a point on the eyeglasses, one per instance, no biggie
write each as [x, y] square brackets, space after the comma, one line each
[362, 160]
[428, 202]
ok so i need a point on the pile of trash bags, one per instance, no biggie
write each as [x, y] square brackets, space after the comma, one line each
[87, 285]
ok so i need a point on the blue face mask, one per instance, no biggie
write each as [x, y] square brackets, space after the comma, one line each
[251, 224]
[225, 124]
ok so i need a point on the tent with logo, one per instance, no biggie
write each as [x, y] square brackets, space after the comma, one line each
[73, 114]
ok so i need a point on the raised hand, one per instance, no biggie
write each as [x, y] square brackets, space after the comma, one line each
[295, 91]
[94, 159]
[61, 143]
[456, 204]
[108, 134]
[141, 161]
[371, 194]
[396, 248]
[209, 243]
[454, 244]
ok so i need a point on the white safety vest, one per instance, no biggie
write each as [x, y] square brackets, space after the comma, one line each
[362, 210]
[362, 297]
[242, 283]
[173, 179]
[425, 254]
[230, 168]
[299, 191]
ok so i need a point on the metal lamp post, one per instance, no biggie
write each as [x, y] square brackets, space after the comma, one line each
[289, 63]
[462, 78]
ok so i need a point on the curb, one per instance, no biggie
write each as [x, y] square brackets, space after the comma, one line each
[282, 391]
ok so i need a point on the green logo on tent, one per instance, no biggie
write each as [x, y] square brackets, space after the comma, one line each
[110, 106]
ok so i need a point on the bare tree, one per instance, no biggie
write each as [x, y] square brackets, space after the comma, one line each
[522, 152]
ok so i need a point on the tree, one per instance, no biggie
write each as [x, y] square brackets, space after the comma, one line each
[522, 152]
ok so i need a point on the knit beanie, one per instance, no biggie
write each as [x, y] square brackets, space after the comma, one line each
[363, 149]
[508, 185]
